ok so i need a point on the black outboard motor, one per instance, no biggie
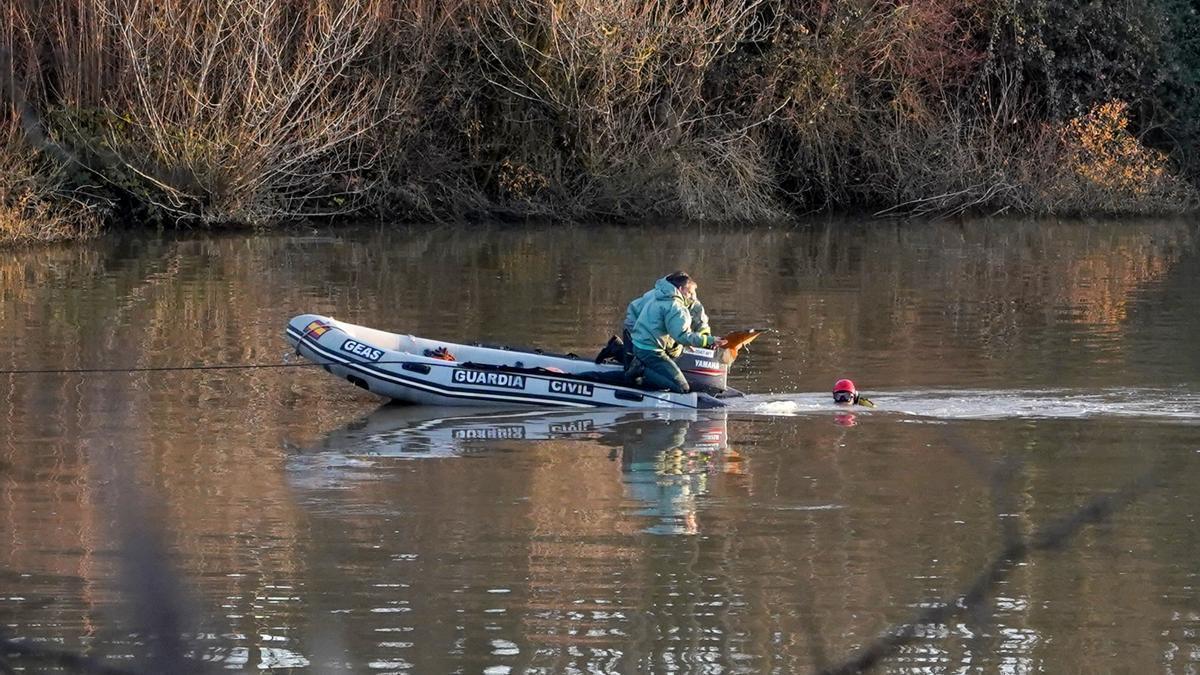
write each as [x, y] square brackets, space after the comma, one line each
[704, 370]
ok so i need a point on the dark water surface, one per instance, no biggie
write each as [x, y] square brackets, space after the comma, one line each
[1020, 369]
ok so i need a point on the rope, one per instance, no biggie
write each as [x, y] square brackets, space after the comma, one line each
[150, 369]
[160, 369]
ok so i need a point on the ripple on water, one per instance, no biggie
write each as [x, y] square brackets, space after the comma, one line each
[1174, 405]
[817, 542]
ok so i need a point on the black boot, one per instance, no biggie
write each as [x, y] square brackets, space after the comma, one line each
[612, 351]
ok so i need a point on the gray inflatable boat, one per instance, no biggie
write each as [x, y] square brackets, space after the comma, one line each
[409, 369]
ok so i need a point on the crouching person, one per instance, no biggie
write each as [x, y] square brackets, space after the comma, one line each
[662, 328]
[690, 300]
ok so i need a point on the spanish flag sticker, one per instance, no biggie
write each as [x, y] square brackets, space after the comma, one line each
[315, 329]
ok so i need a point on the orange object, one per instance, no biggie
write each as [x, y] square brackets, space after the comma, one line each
[735, 341]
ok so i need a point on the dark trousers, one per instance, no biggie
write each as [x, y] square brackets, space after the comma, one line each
[660, 371]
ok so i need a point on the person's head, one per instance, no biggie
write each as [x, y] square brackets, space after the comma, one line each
[844, 391]
[685, 283]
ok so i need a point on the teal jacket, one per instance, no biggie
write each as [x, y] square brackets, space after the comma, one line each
[664, 320]
[699, 316]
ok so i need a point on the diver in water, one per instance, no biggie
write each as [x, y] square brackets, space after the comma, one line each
[845, 393]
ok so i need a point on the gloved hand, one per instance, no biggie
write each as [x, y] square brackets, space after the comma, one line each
[675, 350]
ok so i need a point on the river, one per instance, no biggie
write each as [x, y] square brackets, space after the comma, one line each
[283, 519]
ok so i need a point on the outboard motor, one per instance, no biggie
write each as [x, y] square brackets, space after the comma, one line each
[704, 370]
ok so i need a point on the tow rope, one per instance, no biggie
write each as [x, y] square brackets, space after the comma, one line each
[149, 369]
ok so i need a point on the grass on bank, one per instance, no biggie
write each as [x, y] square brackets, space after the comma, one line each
[34, 206]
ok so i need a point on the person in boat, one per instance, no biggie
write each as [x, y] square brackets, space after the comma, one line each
[690, 300]
[845, 393]
[662, 327]
[621, 349]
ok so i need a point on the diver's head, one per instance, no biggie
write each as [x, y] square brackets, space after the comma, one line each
[844, 392]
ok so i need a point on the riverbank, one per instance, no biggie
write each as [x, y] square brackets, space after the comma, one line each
[260, 114]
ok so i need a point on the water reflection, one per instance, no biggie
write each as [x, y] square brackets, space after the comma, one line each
[666, 457]
[666, 464]
[1070, 347]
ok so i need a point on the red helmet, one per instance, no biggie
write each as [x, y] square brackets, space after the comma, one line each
[844, 392]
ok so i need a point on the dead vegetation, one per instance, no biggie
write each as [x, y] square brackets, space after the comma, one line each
[260, 112]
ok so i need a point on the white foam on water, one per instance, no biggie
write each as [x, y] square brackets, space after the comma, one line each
[982, 404]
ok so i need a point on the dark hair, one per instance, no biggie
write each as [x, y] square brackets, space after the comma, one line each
[678, 279]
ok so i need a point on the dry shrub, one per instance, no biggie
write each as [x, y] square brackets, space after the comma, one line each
[963, 164]
[727, 179]
[901, 105]
[854, 75]
[261, 111]
[29, 213]
[232, 111]
[1089, 164]
[35, 203]
[607, 99]
[1103, 167]
[246, 111]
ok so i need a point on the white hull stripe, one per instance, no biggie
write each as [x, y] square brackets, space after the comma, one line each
[456, 392]
[441, 390]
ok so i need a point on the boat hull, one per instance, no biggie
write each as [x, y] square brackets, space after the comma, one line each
[394, 366]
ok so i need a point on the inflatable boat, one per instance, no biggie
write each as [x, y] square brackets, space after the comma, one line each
[410, 369]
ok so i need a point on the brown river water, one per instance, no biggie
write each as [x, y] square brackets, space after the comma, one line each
[281, 519]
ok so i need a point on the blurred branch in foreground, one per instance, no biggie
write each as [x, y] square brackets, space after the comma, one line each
[1053, 536]
[155, 596]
